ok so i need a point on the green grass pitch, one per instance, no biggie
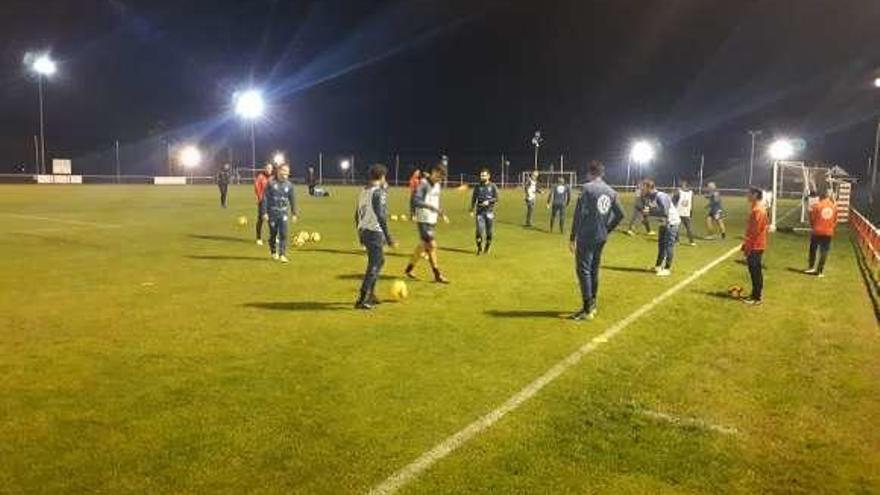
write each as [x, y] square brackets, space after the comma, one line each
[147, 345]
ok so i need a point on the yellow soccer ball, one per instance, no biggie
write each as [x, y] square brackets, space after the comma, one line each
[403, 218]
[316, 237]
[735, 291]
[393, 218]
[399, 290]
[242, 220]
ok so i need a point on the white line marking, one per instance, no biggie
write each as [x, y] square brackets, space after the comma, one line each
[410, 472]
[686, 422]
[61, 220]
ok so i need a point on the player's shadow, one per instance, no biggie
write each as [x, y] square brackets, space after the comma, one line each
[455, 250]
[720, 294]
[222, 238]
[226, 258]
[799, 271]
[356, 252]
[299, 306]
[628, 269]
[527, 313]
[360, 276]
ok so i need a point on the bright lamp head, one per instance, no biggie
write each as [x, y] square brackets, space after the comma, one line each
[44, 65]
[781, 149]
[249, 104]
[278, 158]
[345, 165]
[190, 156]
[642, 152]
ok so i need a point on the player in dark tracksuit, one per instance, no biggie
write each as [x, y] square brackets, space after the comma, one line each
[278, 198]
[223, 177]
[558, 200]
[371, 218]
[598, 212]
[484, 199]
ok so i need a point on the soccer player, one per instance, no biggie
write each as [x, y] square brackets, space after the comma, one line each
[371, 218]
[754, 244]
[531, 191]
[715, 215]
[414, 180]
[684, 202]
[311, 180]
[669, 225]
[260, 181]
[639, 213]
[223, 177]
[427, 204]
[823, 220]
[559, 199]
[278, 198]
[596, 215]
[483, 200]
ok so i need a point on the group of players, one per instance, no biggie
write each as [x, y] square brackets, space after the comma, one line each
[597, 213]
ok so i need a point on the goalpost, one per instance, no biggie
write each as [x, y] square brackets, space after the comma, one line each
[547, 178]
[795, 180]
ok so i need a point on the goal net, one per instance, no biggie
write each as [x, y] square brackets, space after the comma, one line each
[794, 190]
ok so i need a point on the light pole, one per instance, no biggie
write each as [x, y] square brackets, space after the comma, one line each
[536, 142]
[249, 105]
[44, 67]
[753, 133]
[345, 165]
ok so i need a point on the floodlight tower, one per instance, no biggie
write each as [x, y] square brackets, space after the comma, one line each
[537, 140]
[44, 67]
[250, 106]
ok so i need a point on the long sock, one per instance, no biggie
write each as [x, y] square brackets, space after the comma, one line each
[409, 268]
[479, 245]
[437, 274]
[488, 243]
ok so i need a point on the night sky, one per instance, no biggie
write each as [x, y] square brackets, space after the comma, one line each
[470, 79]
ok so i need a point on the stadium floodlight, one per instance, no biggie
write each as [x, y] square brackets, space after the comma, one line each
[781, 149]
[537, 141]
[278, 158]
[249, 104]
[190, 156]
[642, 153]
[877, 82]
[43, 66]
[345, 164]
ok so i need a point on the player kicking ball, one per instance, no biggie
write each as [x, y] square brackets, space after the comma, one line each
[278, 198]
[483, 201]
[596, 215]
[372, 224]
[427, 205]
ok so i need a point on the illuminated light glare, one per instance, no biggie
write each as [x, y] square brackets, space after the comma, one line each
[877, 82]
[345, 164]
[190, 156]
[781, 149]
[44, 65]
[249, 104]
[278, 159]
[642, 152]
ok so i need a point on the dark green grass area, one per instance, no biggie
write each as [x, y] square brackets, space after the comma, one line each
[147, 345]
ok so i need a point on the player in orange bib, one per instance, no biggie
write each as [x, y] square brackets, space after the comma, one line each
[823, 220]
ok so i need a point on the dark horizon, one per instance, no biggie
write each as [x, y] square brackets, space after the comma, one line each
[375, 78]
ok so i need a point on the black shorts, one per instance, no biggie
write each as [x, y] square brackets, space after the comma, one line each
[426, 232]
[716, 214]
